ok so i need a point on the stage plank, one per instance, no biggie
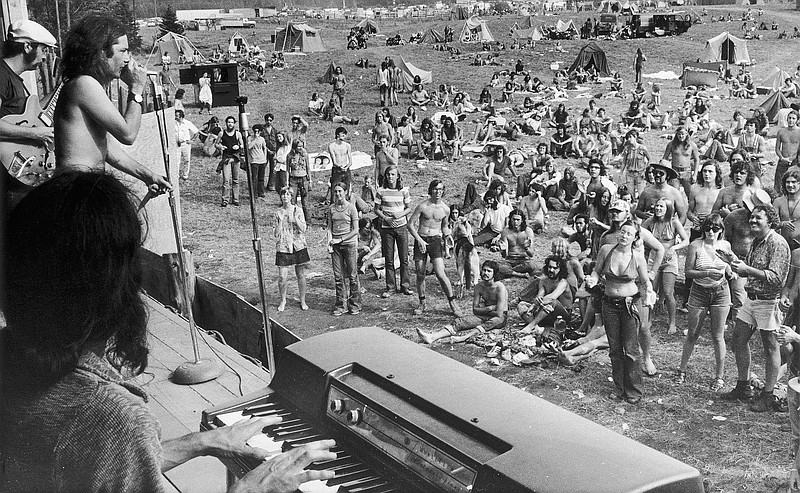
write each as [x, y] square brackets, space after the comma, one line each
[179, 407]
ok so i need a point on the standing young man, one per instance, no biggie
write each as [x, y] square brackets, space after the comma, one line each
[95, 53]
[685, 158]
[185, 132]
[787, 207]
[342, 159]
[662, 173]
[428, 225]
[231, 145]
[786, 147]
[25, 45]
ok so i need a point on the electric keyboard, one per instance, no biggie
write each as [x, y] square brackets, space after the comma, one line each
[408, 419]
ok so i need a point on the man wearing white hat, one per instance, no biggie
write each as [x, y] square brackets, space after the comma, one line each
[25, 46]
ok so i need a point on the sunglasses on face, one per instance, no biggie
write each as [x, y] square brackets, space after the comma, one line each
[716, 228]
[659, 173]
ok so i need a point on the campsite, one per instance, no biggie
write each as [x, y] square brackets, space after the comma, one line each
[734, 449]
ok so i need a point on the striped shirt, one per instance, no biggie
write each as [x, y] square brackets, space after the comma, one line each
[394, 201]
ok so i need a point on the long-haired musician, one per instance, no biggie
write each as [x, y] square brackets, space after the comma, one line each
[95, 53]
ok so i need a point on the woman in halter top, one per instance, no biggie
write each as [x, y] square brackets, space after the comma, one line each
[621, 267]
[710, 292]
[669, 231]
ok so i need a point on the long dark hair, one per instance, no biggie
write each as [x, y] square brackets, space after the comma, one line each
[88, 46]
[73, 276]
[398, 184]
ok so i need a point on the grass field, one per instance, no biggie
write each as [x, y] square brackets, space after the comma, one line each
[744, 452]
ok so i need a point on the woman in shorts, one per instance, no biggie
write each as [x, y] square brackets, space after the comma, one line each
[290, 246]
[710, 292]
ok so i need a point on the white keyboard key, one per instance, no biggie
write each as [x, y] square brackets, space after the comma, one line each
[317, 486]
[229, 419]
[266, 443]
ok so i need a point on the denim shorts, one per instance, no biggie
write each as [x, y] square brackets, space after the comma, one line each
[702, 297]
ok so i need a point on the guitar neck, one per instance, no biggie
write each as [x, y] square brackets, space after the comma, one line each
[46, 116]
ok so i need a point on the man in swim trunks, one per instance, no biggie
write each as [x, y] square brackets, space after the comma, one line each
[428, 225]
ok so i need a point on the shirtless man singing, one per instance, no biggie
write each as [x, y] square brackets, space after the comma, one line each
[428, 225]
[95, 53]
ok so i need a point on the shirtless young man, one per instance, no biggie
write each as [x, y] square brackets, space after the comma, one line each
[684, 156]
[554, 298]
[661, 189]
[702, 196]
[786, 147]
[516, 246]
[428, 225]
[85, 116]
[489, 309]
[342, 159]
[730, 198]
[787, 207]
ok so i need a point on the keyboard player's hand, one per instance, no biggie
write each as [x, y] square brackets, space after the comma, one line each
[285, 472]
[230, 441]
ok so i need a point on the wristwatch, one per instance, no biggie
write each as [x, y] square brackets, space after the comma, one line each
[135, 97]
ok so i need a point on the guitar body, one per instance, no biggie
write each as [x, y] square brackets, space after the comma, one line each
[29, 161]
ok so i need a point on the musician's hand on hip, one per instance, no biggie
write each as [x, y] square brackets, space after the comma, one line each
[284, 473]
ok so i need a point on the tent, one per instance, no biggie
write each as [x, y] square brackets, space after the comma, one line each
[176, 45]
[432, 36]
[569, 27]
[238, 44]
[726, 47]
[475, 30]
[459, 13]
[591, 55]
[327, 77]
[774, 78]
[298, 37]
[369, 26]
[775, 102]
[528, 22]
[409, 72]
[534, 34]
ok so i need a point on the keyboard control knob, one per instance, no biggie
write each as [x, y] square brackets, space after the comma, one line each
[354, 416]
[337, 406]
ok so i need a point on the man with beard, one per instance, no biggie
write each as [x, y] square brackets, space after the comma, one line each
[766, 267]
[25, 45]
[662, 173]
[516, 246]
[685, 158]
[786, 206]
[553, 300]
[786, 146]
[731, 197]
[95, 53]
[582, 237]
[489, 309]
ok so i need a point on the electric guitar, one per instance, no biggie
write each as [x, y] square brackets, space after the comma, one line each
[29, 161]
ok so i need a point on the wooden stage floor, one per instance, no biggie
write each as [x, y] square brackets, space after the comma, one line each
[179, 407]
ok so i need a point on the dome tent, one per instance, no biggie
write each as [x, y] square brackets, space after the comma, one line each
[591, 55]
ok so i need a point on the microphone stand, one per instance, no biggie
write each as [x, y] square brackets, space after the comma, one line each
[199, 370]
[244, 128]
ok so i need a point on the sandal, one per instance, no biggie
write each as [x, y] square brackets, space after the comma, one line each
[717, 385]
[681, 378]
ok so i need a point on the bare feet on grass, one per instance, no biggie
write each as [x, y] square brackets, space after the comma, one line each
[425, 336]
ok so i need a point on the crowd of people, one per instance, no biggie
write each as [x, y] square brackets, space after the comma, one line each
[638, 222]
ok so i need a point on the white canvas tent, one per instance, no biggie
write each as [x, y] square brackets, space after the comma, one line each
[724, 47]
[238, 45]
[569, 26]
[475, 30]
[774, 78]
[298, 37]
[410, 72]
[176, 45]
[533, 34]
